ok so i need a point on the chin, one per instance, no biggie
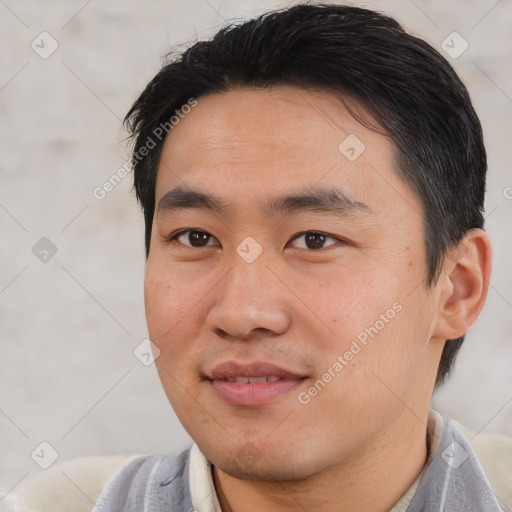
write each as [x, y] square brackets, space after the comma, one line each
[272, 469]
[263, 462]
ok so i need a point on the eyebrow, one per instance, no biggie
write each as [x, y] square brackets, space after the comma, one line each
[329, 200]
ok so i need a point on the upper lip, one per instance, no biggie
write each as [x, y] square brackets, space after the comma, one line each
[231, 369]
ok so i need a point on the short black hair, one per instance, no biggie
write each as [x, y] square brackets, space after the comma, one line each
[401, 81]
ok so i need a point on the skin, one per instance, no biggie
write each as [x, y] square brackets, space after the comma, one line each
[359, 443]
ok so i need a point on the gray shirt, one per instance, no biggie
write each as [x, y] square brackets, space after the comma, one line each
[452, 481]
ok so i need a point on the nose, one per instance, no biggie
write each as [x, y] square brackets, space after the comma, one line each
[250, 303]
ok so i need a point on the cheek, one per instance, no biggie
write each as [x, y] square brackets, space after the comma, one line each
[158, 300]
[171, 315]
[376, 324]
[171, 303]
[169, 290]
[351, 301]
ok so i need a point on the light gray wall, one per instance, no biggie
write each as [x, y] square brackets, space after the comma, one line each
[69, 325]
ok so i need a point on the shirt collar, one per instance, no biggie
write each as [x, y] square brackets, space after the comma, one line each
[419, 494]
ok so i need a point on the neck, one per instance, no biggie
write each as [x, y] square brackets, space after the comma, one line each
[373, 480]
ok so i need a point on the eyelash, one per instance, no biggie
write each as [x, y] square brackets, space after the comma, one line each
[173, 238]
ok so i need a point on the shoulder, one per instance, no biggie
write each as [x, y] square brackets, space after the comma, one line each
[77, 484]
[494, 452]
[157, 481]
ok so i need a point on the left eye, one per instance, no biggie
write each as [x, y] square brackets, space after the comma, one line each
[314, 240]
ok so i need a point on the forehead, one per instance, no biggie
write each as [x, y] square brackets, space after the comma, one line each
[289, 122]
[263, 142]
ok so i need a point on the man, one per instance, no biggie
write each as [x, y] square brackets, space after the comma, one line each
[312, 184]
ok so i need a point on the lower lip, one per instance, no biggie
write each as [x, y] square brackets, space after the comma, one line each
[253, 394]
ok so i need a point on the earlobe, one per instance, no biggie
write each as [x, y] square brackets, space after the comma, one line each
[465, 283]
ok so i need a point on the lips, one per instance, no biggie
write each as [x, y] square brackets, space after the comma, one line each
[232, 370]
[253, 384]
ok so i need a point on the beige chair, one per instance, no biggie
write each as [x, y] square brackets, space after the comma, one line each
[75, 485]
[71, 486]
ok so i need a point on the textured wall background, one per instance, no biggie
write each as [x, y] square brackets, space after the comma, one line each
[71, 320]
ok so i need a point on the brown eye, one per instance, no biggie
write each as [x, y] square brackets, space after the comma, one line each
[193, 238]
[314, 240]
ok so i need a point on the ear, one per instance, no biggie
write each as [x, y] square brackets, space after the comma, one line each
[463, 282]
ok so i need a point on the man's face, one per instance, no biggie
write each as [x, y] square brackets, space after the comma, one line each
[310, 280]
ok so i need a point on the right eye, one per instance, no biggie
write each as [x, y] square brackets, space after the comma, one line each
[193, 238]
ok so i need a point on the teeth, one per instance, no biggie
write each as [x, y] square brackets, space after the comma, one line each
[257, 379]
[254, 380]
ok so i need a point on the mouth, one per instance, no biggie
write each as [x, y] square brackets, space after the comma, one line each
[252, 380]
[254, 384]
